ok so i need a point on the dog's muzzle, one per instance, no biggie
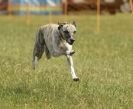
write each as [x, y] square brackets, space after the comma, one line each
[71, 41]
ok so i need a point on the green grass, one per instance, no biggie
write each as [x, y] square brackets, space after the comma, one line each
[103, 61]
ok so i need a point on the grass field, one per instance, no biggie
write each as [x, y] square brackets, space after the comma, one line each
[103, 61]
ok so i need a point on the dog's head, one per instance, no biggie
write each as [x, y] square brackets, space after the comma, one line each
[67, 31]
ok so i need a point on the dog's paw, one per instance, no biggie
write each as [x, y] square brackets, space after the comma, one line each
[76, 79]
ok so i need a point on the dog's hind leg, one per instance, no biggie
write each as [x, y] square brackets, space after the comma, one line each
[34, 62]
[38, 49]
[37, 54]
[70, 63]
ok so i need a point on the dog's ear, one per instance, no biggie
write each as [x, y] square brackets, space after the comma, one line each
[60, 26]
[59, 23]
[74, 23]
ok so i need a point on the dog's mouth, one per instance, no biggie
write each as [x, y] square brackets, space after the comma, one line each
[70, 43]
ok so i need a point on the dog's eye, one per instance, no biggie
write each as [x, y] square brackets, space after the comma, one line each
[66, 32]
[74, 32]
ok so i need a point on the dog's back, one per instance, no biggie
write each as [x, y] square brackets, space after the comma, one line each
[47, 40]
[41, 42]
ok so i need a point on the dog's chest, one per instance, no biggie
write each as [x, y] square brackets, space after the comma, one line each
[62, 48]
[68, 46]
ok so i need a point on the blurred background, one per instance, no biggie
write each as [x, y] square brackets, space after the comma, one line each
[45, 7]
[52, 8]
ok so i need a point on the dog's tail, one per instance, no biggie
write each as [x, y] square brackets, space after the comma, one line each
[39, 48]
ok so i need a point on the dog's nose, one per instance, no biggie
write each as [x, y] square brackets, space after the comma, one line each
[72, 40]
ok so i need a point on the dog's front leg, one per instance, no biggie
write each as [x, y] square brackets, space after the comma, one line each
[70, 63]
